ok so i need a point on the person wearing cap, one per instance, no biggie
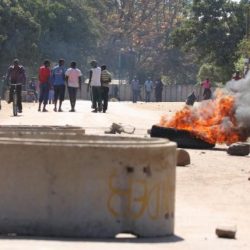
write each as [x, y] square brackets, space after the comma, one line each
[44, 85]
[58, 81]
[73, 80]
[16, 74]
[95, 83]
[105, 81]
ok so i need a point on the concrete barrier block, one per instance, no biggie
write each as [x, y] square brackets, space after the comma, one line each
[45, 132]
[37, 128]
[98, 186]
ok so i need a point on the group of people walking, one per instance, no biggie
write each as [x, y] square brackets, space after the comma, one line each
[59, 78]
[149, 86]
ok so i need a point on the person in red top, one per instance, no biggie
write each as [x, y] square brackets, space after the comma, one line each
[207, 89]
[44, 85]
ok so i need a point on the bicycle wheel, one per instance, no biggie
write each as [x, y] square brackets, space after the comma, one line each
[14, 104]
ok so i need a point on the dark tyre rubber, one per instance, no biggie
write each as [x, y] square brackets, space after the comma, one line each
[183, 138]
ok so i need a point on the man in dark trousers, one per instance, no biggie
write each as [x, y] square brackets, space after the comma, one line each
[135, 86]
[58, 81]
[16, 75]
[44, 85]
[158, 90]
[105, 81]
[73, 79]
[95, 84]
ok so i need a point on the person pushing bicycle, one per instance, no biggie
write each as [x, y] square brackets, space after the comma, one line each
[17, 77]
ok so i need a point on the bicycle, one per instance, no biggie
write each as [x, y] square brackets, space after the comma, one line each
[15, 108]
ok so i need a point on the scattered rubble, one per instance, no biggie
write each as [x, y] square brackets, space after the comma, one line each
[239, 149]
[183, 157]
[119, 128]
[226, 232]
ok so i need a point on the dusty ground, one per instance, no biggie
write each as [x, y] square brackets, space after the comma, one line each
[213, 190]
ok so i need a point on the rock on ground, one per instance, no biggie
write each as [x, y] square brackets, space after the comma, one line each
[239, 149]
[183, 157]
[226, 232]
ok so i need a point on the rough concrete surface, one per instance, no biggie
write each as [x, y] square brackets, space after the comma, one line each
[90, 187]
[213, 191]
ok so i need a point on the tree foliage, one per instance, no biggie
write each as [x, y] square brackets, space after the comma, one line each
[145, 37]
[214, 73]
[244, 48]
[136, 34]
[34, 29]
[212, 31]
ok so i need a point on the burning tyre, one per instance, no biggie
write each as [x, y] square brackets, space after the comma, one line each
[183, 138]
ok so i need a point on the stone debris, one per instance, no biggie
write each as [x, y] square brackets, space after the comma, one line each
[226, 232]
[239, 149]
[119, 128]
[183, 157]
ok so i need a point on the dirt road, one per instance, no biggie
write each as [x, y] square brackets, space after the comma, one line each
[213, 190]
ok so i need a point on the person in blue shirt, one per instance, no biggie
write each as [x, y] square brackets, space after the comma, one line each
[58, 81]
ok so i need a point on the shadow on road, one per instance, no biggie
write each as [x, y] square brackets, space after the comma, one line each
[125, 239]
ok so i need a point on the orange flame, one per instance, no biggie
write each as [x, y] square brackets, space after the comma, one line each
[213, 120]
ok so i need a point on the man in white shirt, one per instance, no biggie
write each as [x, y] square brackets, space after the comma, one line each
[73, 80]
[95, 83]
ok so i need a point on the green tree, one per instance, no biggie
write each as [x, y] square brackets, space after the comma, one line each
[19, 32]
[69, 30]
[213, 72]
[212, 32]
[244, 48]
[36, 29]
[135, 34]
[244, 55]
